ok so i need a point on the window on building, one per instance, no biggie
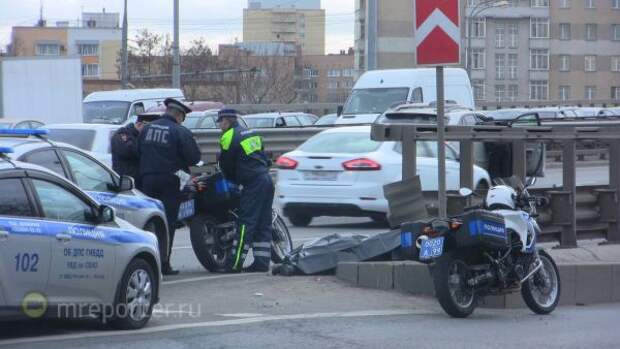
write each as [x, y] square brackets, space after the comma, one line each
[500, 35]
[477, 58]
[47, 50]
[478, 85]
[615, 32]
[347, 72]
[591, 31]
[500, 93]
[334, 73]
[90, 70]
[564, 3]
[564, 62]
[513, 92]
[513, 35]
[615, 93]
[590, 63]
[564, 93]
[88, 49]
[564, 31]
[615, 63]
[332, 84]
[589, 3]
[513, 64]
[500, 66]
[539, 59]
[478, 27]
[539, 3]
[539, 90]
[615, 4]
[590, 92]
[539, 28]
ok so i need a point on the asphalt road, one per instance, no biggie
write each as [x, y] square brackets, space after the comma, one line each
[202, 310]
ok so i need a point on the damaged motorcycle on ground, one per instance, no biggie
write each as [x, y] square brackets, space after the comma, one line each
[488, 250]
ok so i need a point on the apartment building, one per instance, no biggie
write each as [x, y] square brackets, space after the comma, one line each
[97, 39]
[327, 78]
[526, 50]
[298, 22]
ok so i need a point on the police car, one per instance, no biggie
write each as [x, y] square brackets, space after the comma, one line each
[64, 254]
[99, 181]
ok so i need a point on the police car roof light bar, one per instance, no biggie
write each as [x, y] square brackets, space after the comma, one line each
[23, 132]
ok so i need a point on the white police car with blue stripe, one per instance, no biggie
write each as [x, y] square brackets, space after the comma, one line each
[62, 254]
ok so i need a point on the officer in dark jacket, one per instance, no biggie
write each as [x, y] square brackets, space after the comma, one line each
[243, 161]
[165, 148]
[124, 147]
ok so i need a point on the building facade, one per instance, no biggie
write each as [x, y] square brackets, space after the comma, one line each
[298, 22]
[97, 41]
[327, 78]
[526, 50]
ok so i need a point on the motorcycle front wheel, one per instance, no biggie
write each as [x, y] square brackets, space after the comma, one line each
[541, 292]
[450, 276]
[281, 243]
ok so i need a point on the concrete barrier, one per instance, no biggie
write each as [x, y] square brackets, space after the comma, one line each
[582, 283]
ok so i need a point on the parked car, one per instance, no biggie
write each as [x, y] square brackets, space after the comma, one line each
[122, 106]
[326, 120]
[206, 119]
[61, 248]
[273, 120]
[341, 172]
[504, 114]
[99, 181]
[20, 124]
[93, 138]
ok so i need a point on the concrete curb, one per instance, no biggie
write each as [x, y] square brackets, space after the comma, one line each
[583, 283]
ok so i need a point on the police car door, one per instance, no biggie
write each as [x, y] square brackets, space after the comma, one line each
[25, 245]
[83, 259]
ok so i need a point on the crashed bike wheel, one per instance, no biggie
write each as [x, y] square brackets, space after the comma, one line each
[281, 244]
[450, 276]
[541, 292]
[208, 247]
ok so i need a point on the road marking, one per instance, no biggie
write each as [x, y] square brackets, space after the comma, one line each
[236, 322]
[241, 315]
[216, 277]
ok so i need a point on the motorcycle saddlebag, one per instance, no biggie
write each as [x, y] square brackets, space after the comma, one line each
[482, 229]
[219, 193]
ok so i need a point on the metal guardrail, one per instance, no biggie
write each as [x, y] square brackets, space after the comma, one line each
[572, 211]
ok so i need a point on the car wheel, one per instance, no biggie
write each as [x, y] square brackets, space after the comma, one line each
[379, 218]
[136, 296]
[300, 220]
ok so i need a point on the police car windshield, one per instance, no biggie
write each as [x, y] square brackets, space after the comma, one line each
[82, 139]
[375, 100]
[106, 112]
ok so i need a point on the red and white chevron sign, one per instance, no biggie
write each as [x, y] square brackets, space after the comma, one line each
[437, 32]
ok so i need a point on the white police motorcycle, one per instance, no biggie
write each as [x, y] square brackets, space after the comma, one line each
[489, 250]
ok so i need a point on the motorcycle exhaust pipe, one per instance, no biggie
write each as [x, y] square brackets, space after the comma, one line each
[536, 269]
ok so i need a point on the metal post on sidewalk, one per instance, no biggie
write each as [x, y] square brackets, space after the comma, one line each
[441, 145]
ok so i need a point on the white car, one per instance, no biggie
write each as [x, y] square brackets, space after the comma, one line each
[93, 138]
[341, 172]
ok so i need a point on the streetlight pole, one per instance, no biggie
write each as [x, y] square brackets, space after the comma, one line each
[124, 52]
[476, 10]
[176, 60]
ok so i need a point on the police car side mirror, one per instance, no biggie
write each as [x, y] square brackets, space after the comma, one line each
[126, 184]
[105, 214]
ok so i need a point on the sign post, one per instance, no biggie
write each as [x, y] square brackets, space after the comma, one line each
[438, 43]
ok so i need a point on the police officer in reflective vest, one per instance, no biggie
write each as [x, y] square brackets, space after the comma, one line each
[243, 161]
[124, 148]
[166, 147]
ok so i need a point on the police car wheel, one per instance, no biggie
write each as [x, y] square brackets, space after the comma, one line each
[135, 299]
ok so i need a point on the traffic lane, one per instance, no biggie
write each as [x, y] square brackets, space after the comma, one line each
[594, 175]
[567, 327]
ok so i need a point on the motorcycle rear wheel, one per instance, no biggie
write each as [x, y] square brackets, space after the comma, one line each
[450, 276]
[211, 253]
[281, 244]
[541, 292]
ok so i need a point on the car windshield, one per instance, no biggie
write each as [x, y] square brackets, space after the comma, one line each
[340, 142]
[259, 122]
[82, 139]
[106, 112]
[375, 100]
[326, 120]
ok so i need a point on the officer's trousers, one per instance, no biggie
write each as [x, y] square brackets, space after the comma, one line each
[165, 188]
[254, 227]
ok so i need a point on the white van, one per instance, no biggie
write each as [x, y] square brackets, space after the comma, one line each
[378, 90]
[122, 106]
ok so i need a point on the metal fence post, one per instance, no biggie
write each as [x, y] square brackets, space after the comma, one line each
[569, 185]
[519, 160]
[613, 234]
[409, 153]
[467, 164]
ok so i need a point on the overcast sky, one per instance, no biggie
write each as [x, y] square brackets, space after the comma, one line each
[218, 21]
